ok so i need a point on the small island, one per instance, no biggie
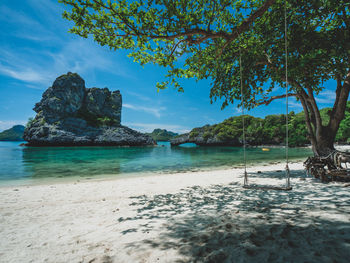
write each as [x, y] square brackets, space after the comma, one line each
[162, 135]
[71, 115]
[13, 134]
[261, 131]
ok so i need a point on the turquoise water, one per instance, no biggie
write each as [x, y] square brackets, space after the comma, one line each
[33, 164]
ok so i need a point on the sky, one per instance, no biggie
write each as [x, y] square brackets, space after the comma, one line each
[36, 48]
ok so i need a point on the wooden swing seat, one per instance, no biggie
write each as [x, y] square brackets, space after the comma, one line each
[268, 187]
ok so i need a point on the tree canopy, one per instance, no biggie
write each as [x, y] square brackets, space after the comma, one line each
[318, 50]
[211, 35]
[160, 32]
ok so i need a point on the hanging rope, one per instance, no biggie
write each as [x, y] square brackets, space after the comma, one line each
[288, 187]
[286, 54]
[243, 121]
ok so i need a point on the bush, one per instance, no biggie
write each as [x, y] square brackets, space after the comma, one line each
[30, 122]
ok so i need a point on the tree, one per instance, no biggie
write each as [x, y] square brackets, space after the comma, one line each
[319, 49]
[211, 35]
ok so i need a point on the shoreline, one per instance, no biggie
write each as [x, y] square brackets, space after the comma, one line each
[24, 182]
[27, 181]
[195, 216]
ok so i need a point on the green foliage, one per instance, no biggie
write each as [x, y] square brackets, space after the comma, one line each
[209, 34]
[162, 135]
[270, 130]
[94, 120]
[213, 37]
[29, 123]
[298, 135]
[318, 46]
[42, 121]
[105, 121]
[194, 133]
[13, 134]
[343, 135]
[68, 75]
[159, 32]
[207, 135]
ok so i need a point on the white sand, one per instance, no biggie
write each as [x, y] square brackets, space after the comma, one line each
[188, 217]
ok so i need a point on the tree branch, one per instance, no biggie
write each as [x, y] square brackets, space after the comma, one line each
[268, 101]
[246, 23]
[174, 48]
[338, 111]
[268, 63]
[345, 17]
[202, 33]
[315, 111]
[307, 118]
[337, 96]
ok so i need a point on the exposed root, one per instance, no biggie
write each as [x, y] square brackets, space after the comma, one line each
[329, 168]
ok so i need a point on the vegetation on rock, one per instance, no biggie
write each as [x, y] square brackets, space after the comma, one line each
[13, 134]
[71, 114]
[271, 130]
[162, 135]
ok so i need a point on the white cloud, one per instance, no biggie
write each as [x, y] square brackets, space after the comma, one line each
[238, 110]
[295, 105]
[40, 67]
[326, 97]
[27, 75]
[32, 65]
[323, 100]
[149, 127]
[33, 37]
[154, 111]
[17, 17]
[25, 26]
[139, 96]
[328, 93]
[47, 8]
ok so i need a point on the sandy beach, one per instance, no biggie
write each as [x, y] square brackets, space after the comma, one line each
[183, 217]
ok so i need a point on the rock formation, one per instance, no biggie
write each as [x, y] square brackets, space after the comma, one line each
[70, 114]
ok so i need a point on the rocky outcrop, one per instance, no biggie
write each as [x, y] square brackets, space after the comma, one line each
[70, 114]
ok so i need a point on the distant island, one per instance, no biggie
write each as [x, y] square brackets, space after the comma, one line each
[268, 131]
[162, 135]
[13, 134]
[69, 114]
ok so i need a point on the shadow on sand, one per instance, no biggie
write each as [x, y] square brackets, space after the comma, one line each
[226, 223]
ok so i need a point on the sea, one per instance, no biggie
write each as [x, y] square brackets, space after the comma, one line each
[21, 165]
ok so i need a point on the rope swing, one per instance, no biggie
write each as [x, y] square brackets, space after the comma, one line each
[245, 184]
[243, 121]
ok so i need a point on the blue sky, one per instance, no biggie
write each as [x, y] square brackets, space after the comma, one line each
[36, 48]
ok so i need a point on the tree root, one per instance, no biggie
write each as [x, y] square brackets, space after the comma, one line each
[329, 168]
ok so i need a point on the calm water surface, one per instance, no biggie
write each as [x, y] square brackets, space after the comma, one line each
[32, 164]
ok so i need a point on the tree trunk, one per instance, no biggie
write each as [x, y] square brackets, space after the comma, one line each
[324, 143]
[323, 137]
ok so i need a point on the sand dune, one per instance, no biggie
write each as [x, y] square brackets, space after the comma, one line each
[187, 217]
